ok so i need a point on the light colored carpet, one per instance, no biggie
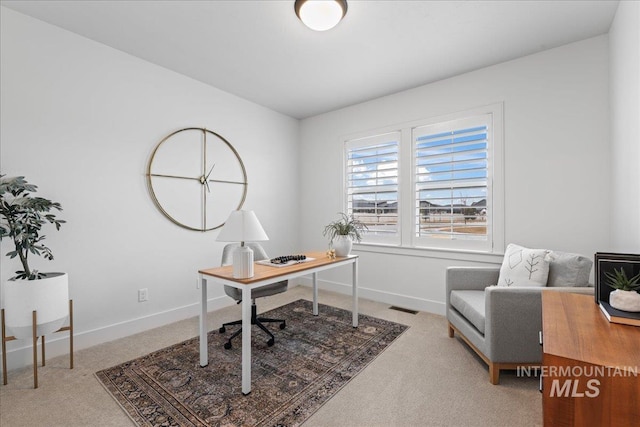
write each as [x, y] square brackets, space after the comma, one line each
[424, 378]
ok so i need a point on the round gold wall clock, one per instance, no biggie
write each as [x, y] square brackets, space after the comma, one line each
[196, 178]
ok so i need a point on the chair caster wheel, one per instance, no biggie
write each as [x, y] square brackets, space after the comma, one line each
[222, 330]
[283, 325]
[270, 342]
[227, 345]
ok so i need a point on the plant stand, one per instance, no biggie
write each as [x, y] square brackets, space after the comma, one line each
[6, 338]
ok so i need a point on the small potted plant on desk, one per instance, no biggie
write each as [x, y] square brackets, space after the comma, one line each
[30, 295]
[625, 297]
[343, 232]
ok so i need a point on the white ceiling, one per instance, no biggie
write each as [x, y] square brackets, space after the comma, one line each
[260, 51]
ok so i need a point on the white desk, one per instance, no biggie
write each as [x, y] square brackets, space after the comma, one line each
[266, 275]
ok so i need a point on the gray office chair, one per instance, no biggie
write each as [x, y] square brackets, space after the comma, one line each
[264, 291]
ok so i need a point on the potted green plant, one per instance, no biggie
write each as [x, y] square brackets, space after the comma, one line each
[22, 216]
[343, 232]
[625, 296]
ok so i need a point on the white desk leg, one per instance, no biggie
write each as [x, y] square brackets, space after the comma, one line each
[354, 281]
[246, 340]
[204, 355]
[315, 294]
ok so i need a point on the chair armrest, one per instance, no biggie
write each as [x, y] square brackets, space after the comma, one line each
[470, 279]
[513, 319]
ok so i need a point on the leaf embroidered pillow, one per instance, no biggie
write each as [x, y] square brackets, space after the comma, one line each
[524, 267]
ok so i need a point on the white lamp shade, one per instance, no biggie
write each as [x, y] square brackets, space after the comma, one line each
[242, 226]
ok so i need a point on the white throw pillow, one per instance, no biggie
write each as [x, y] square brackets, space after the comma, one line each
[524, 267]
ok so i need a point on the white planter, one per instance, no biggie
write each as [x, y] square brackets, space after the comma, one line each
[625, 300]
[48, 296]
[342, 245]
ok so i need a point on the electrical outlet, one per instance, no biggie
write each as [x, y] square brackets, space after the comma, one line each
[143, 295]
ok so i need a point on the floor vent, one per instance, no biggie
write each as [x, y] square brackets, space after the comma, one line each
[404, 310]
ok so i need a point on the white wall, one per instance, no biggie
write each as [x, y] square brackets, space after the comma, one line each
[79, 120]
[557, 176]
[624, 46]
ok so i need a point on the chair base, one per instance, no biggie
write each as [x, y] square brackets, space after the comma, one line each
[255, 320]
[494, 367]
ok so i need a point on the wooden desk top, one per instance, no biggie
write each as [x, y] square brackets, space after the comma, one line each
[575, 328]
[262, 272]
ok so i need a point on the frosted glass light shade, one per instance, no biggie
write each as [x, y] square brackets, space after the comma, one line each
[242, 226]
[320, 15]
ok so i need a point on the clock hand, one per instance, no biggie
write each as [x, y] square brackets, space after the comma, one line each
[173, 176]
[211, 170]
[204, 178]
[227, 182]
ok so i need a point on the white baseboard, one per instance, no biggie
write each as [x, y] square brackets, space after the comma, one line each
[20, 353]
[399, 300]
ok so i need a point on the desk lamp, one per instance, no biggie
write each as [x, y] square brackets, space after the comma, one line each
[242, 226]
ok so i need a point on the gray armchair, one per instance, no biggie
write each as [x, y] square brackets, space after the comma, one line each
[501, 324]
[264, 291]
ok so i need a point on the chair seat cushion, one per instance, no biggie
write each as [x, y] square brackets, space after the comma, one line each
[471, 305]
[264, 291]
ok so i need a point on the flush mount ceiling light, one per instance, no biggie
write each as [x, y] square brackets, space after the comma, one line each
[320, 15]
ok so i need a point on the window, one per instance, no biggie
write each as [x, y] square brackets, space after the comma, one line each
[372, 185]
[433, 184]
[451, 182]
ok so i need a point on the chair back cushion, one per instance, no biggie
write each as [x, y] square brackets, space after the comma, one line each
[258, 254]
[263, 291]
[567, 269]
[227, 252]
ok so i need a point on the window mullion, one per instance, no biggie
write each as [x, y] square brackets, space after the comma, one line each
[405, 185]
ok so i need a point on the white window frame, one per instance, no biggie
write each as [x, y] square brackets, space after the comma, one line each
[366, 141]
[407, 187]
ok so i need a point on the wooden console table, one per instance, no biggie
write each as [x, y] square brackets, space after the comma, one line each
[591, 368]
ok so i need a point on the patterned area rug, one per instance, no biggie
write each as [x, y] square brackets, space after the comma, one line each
[312, 359]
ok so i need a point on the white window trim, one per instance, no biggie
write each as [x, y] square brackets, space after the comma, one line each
[406, 185]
